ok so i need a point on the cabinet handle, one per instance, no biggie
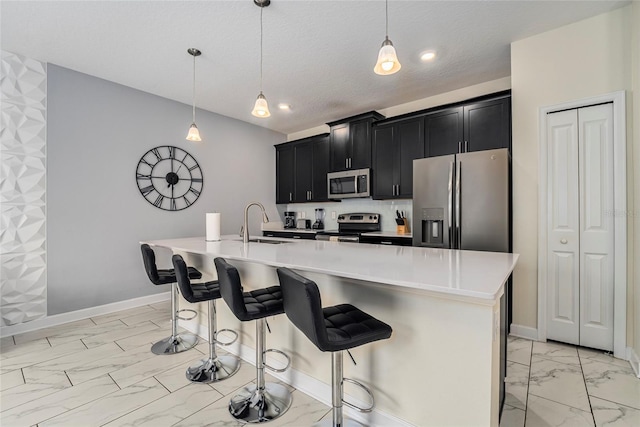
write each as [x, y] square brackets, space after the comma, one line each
[349, 159]
[346, 163]
[384, 242]
[290, 197]
[466, 146]
[393, 190]
[397, 189]
[459, 147]
[296, 237]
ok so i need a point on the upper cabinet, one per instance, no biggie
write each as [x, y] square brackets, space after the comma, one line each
[350, 142]
[301, 170]
[395, 146]
[482, 125]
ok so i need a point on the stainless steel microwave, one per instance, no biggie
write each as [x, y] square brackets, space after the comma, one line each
[347, 184]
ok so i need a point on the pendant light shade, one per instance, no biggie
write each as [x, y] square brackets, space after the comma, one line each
[261, 108]
[387, 58]
[194, 133]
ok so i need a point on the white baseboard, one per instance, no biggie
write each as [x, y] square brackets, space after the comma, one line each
[524, 332]
[634, 360]
[85, 313]
[303, 382]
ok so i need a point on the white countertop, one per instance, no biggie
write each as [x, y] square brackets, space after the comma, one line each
[454, 273]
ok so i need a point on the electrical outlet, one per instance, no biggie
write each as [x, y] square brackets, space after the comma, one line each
[303, 214]
[333, 214]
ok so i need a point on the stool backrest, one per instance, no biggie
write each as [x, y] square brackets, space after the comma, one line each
[231, 288]
[303, 306]
[182, 276]
[149, 259]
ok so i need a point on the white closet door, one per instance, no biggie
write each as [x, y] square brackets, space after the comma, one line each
[563, 297]
[595, 142]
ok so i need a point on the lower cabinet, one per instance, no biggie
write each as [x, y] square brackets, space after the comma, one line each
[290, 235]
[379, 240]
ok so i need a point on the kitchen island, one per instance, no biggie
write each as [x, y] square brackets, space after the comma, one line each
[441, 365]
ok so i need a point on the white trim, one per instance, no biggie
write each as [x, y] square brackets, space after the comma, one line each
[524, 332]
[634, 360]
[85, 313]
[303, 382]
[620, 215]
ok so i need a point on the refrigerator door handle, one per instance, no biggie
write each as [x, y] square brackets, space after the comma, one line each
[458, 207]
[449, 206]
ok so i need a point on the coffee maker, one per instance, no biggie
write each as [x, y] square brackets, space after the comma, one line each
[319, 224]
[289, 219]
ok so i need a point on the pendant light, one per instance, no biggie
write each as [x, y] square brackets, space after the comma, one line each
[387, 59]
[194, 134]
[261, 108]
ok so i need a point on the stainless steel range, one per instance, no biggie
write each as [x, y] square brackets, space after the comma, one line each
[351, 226]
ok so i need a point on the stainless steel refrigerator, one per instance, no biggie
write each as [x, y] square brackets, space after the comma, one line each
[461, 201]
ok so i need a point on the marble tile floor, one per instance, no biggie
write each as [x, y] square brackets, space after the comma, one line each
[554, 384]
[100, 371]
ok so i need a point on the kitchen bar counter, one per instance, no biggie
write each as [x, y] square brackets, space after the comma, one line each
[449, 273]
[441, 366]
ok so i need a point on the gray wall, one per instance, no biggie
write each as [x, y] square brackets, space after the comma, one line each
[97, 132]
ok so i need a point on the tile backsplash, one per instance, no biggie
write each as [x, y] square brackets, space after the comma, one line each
[386, 209]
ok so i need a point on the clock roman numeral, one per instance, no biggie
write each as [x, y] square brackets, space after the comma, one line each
[187, 201]
[173, 206]
[147, 190]
[143, 160]
[142, 176]
[196, 179]
[156, 153]
[194, 191]
[193, 167]
[172, 152]
[158, 201]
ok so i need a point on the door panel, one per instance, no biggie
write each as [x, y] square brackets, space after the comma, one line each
[486, 124]
[339, 147]
[443, 132]
[563, 232]
[484, 201]
[596, 226]
[411, 139]
[360, 140]
[303, 154]
[384, 162]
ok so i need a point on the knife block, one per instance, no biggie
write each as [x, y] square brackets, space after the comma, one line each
[404, 228]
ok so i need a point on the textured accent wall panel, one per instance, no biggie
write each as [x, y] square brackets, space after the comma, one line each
[23, 272]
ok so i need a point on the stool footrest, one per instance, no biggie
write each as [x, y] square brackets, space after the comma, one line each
[273, 350]
[366, 389]
[231, 331]
[195, 313]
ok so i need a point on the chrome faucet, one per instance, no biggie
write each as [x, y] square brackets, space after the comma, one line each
[245, 227]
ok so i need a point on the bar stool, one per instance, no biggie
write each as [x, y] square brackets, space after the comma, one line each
[333, 329]
[265, 401]
[175, 343]
[214, 368]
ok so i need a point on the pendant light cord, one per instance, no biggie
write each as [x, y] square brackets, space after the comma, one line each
[194, 89]
[261, 8]
[386, 17]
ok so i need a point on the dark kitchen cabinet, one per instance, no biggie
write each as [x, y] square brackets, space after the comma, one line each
[487, 125]
[284, 173]
[350, 142]
[395, 146]
[482, 125]
[301, 170]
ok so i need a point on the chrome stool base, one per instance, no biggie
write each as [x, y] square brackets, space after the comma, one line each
[254, 406]
[345, 423]
[213, 370]
[174, 344]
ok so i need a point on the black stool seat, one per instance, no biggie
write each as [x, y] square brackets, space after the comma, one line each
[349, 327]
[194, 292]
[162, 276]
[263, 302]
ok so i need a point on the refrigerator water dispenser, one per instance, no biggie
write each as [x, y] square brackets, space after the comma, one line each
[432, 226]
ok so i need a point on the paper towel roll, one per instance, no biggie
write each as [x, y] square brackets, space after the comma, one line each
[213, 227]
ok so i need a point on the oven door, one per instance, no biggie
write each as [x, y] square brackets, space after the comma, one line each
[348, 184]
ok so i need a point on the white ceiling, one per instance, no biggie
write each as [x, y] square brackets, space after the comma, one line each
[318, 55]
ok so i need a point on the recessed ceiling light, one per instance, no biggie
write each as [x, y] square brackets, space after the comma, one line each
[428, 56]
[285, 107]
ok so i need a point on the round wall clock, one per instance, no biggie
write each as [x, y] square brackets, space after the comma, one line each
[169, 178]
